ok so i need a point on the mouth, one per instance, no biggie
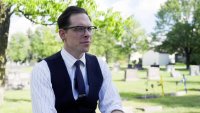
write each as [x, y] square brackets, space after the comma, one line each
[86, 42]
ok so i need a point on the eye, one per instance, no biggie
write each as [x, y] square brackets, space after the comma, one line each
[79, 28]
[89, 28]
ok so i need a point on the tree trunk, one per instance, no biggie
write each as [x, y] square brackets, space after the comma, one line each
[129, 58]
[4, 29]
[107, 56]
[187, 61]
[187, 54]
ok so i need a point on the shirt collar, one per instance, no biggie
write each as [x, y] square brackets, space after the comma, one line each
[69, 59]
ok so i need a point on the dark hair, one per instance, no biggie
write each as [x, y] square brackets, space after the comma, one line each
[63, 19]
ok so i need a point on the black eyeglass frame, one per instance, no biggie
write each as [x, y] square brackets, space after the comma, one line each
[75, 28]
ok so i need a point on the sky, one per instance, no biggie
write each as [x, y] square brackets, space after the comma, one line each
[143, 10]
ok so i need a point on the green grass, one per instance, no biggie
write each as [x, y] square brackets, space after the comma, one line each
[131, 90]
[19, 101]
[16, 101]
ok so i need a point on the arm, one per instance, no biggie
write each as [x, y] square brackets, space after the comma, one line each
[109, 99]
[43, 99]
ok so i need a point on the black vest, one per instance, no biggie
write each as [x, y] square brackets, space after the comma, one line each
[61, 84]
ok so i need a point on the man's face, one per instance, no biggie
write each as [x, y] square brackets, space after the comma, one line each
[76, 39]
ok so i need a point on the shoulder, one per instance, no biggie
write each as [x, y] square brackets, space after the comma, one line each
[40, 72]
[53, 57]
[104, 67]
[40, 66]
[43, 66]
[101, 62]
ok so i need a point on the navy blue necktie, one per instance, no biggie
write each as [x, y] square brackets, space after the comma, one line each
[79, 82]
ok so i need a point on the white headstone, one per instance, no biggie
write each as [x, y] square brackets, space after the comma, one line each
[176, 74]
[194, 70]
[116, 66]
[153, 73]
[170, 68]
[131, 74]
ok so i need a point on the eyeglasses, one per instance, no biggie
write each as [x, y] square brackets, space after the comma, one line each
[81, 29]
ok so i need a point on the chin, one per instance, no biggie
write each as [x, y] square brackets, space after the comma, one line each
[85, 49]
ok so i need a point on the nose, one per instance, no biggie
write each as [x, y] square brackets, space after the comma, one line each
[87, 33]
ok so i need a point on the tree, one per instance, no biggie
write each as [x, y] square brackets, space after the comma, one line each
[110, 28]
[133, 38]
[44, 42]
[114, 31]
[178, 27]
[18, 47]
[4, 27]
[103, 44]
[38, 11]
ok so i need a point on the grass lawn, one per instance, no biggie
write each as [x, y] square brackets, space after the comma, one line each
[16, 101]
[19, 101]
[131, 90]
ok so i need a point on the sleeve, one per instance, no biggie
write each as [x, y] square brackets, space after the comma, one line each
[43, 98]
[109, 98]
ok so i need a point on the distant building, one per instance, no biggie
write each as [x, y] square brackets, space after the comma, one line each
[155, 58]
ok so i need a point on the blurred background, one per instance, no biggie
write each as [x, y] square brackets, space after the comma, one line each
[151, 46]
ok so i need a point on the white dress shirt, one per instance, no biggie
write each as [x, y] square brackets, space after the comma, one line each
[43, 98]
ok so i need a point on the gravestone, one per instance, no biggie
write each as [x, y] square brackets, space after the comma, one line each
[12, 80]
[129, 66]
[130, 75]
[170, 68]
[17, 80]
[153, 73]
[175, 74]
[194, 70]
[25, 80]
[138, 66]
[180, 93]
[116, 66]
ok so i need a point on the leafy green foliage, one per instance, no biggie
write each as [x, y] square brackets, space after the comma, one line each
[36, 46]
[39, 11]
[178, 20]
[103, 44]
[109, 31]
[174, 11]
[18, 47]
[117, 38]
[111, 22]
[44, 42]
[133, 38]
[195, 59]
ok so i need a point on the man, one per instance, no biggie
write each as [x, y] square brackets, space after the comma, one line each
[73, 81]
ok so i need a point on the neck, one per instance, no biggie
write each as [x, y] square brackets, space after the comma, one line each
[73, 53]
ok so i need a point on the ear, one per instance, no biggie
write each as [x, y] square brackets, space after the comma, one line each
[62, 34]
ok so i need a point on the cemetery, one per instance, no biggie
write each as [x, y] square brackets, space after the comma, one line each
[153, 89]
[152, 49]
[156, 87]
